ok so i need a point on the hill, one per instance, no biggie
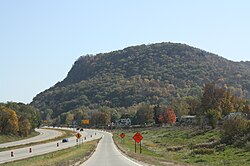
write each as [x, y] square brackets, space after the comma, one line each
[153, 73]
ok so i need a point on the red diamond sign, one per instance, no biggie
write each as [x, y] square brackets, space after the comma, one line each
[137, 137]
[122, 135]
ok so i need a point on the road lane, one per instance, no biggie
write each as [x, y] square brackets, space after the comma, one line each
[107, 154]
[40, 149]
[45, 134]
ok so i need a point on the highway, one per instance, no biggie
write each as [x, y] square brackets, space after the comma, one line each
[44, 135]
[23, 153]
[107, 154]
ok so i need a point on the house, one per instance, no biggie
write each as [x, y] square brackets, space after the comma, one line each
[124, 122]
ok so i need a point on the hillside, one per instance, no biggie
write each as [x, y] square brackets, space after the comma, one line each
[153, 73]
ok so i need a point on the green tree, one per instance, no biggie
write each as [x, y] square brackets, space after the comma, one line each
[213, 116]
[100, 119]
[69, 118]
[180, 106]
[194, 104]
[145, 114]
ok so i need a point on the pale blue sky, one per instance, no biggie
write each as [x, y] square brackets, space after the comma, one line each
[40, 40]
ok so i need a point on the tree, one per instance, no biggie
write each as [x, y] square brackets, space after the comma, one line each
[24, 127]
[69, 118]
[158, 114]
[226, 106]
[115, 116]
[213, 116]
[99, 119]
[145, 114]
[246, 110]
[211, 98]
[9, 121]
[194, 104]
[180, 106]
[170, 116]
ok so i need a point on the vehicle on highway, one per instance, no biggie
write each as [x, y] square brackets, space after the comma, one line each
[65, 140]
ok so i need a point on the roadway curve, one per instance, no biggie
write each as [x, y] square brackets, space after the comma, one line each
[40, 149]
[107, 154]
[45, 134]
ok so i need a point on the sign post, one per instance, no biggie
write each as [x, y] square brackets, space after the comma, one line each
[137, 137]
[85, 122]
[78, 136]
[122, 135]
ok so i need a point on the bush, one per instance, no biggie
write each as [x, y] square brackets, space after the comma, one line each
[175, 148]
[202, 151]
[247, 146]
[213, 115]
[205, 145]
[234, 131]
[220, 148]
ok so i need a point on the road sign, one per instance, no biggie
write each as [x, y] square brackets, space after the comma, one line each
[137, 137]
[85, 121]
[122, 135]
[78, 135]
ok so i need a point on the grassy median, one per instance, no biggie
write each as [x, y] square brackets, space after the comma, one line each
[183, 146]
[11, 138]
[65, 134]
[66, 157]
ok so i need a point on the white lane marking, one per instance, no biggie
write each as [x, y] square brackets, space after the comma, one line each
[128, 158]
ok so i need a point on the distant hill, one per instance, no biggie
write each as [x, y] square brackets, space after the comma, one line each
[152, 73]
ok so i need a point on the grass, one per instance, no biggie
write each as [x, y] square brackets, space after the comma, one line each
[161, 146]
[11, 138]
[70, 156]
[66, 133]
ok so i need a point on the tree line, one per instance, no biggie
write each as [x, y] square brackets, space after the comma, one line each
[216, 106]
[18, 119]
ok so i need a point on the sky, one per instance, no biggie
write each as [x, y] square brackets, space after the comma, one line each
[41, 40]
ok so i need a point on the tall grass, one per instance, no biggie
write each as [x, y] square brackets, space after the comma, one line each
[183, 146]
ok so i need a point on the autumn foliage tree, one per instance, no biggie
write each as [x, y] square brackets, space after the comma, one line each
[168, 116]
[171, 117]
[9, 121]
[18, 119]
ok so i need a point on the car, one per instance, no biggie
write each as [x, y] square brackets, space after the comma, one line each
[65, 140]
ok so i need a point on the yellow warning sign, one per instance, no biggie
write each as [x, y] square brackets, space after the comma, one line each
[85, 121]
[78, 135]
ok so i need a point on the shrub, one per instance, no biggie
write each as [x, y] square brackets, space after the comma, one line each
[205, 145]
[213, 115]
[234, 131]
[202, 151]
[247, 146]
[220, 147]
[175, 148]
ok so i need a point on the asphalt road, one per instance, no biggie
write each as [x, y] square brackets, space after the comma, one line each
[107, 154]
[23, 153]
[44, 135]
